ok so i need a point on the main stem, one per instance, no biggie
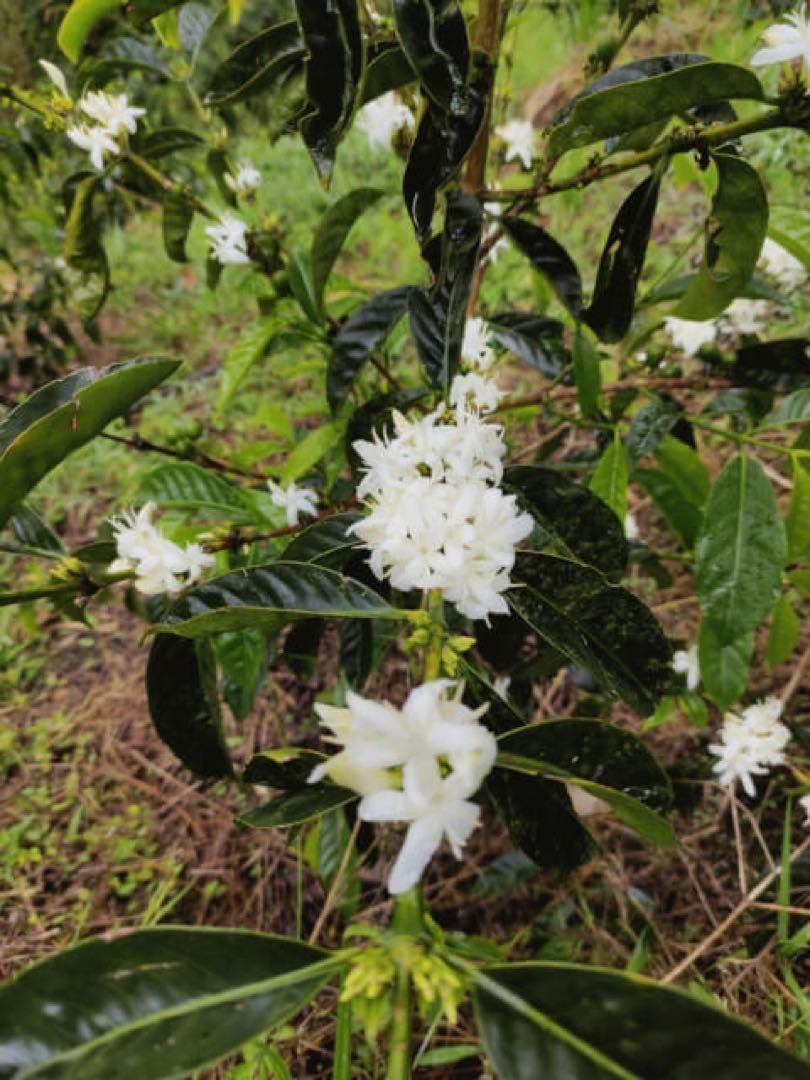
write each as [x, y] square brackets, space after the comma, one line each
[487, 39]
[407, 921]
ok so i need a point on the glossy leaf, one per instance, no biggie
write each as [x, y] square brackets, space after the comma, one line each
[587, 1023]
[257, 64]
[741, 551]
[178, 213]
[784, 633]
[433, 35]
[325, 543]
[299, 806]
[724, 667]
[243, 658]
[735, 231]
[331, 33]
[186, 486]
[609, 480]
[271, 596]
[587, 372]
[797, 521]
[287, 768]
[793, 409]
[534, 339]
[599, 627]
[64, 415]
[612, 306]
[359, 337]
[387, 69]
[155, 1003]
[682, 515]
[30, 530]
[78, 23]
[330, 235]
[650, 425]
[780, 365]
[549, 258]
[684, 467]
[181, 689]
[588, 528]
[625, 107]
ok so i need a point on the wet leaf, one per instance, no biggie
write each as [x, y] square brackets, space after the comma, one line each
[257, 64]
[549, 258]
[359, 337]
[433, 36]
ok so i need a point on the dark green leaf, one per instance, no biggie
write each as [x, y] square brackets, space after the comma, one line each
[156, 1003]
[181, 688]
[549, 258]
[388, 69]
[186, 486]
[78, 22]
[649, 426]
[257, 64]
[164, 141]
[357, 651]
[587, 1023]
[30, 530]
[784, 633]
[331, 233]
[735, 231]
[683, 517]
[178, 213]
[611, 309]
[598, 626]
[297, 807]
[774, 365]
[324, 543]
[433, 36]
[741, 551]
[331, 33]
[625, 107]
[64, 415]
[533, 338]
[360, 336]
[287, 768]
[724, 668]
[588, 527]
[271, 596]
[505, 874]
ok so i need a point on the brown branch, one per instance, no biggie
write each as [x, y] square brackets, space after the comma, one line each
[197, 458]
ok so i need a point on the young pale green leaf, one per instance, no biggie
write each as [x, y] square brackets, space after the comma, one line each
[299, 272]
[724, 667]
[683, 517]
[64, 415]
[257, 65]
[159, 1003]
[549, 258]
[359, 337]
[609, 480]
[781, 365]
[78, 22]
[741, 550]
[599, 627]
[325, 543]
[569, 511]
[298, 807]
[259, 339]
[587, 373]
[587, 1023]
[735, 231]
[331, 233]
[309, 451]
[534, 339]
[797, 522]
[183, 704]
[271, 596]
[186, 486]
[433, 36]
[612, 306]
[330, 30]
[685, 469]
[784, 633]
[636, 104]
[178, 213]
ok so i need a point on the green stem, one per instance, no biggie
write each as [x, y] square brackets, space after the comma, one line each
[407, 921]
[433, 650]
[749, 440]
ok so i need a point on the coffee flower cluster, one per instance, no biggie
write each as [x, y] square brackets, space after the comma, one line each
[420, 764]
[751, 744]
[159, 565]
[438, 519]
[114, 119]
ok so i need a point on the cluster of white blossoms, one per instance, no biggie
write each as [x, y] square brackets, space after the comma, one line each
[751, 744]
[686, 662]
[786, 41]
[160, 565]
[244, 181]
[229, 240]
[383, 118]
[438, 518]
[688, 335]
[744, 316]
[519, 138]
[114, 119]
[783, 267]
[294, 501]
[420, 764]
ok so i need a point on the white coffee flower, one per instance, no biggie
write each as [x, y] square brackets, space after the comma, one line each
[804, 803]
[57, 77]
[476, 350]
[781, 265]
[788, 40]
[473, 392]
[229, 240]
[686, 662]
[690, 336]
[95, 140]
[294, 501]
[519, 138]
[745, 316]
[112, 112]
[751, 744]
[159, 565]
[382, 118]
[245, 181]
[501, 684]
[630, 526]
